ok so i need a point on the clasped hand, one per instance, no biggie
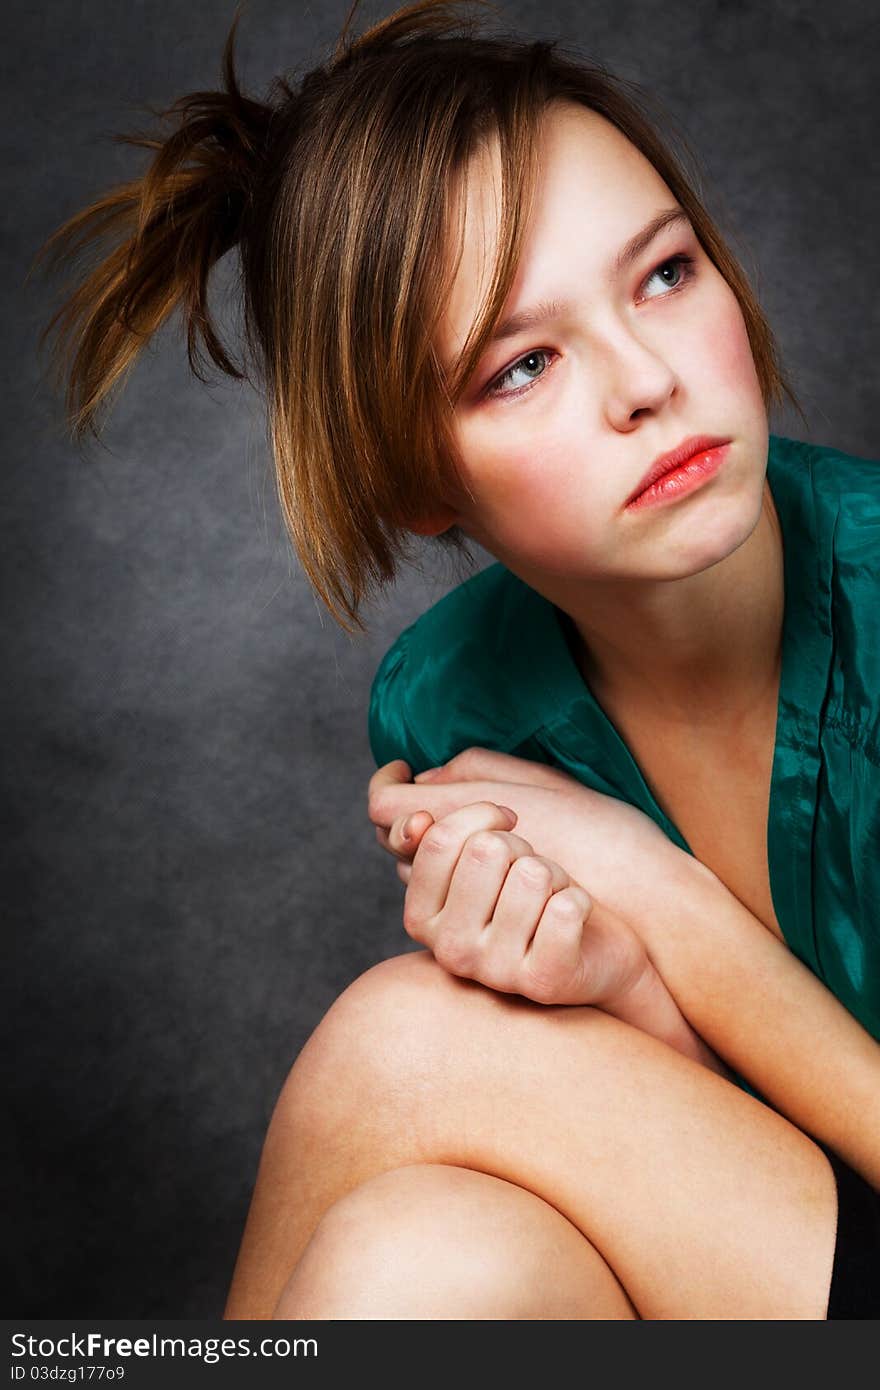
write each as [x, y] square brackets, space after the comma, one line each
[549, 910]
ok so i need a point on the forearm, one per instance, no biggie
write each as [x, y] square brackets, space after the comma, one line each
[769, 1017]
[649, 1006]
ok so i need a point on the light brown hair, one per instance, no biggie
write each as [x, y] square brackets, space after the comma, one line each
[338, 192]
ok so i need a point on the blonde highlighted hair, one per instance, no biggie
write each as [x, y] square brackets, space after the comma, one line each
[338, 191]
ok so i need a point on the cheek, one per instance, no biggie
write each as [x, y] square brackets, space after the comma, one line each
[538, 499]
[514, 482]
[724, 352]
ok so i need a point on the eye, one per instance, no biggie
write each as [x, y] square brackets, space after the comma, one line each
[528, 364]
[682, 267]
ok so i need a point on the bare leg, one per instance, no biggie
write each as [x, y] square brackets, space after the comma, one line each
[434, 1241]
[703, 1202]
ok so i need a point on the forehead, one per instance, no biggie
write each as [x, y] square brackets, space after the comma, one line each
[594, 190]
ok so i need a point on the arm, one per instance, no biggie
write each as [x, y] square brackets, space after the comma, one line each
[768, 1016]
[649, 1006]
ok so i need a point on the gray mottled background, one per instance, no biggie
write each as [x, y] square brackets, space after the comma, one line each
[190, 877]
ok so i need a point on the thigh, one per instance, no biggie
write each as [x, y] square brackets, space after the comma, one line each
[703, 1201]
[434, 1241]
[855, 1282]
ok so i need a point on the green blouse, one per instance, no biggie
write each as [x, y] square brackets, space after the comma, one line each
[489, 665]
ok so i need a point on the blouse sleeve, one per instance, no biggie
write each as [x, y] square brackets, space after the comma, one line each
[390, 726]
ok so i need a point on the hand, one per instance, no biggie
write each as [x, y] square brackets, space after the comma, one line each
[525, 941]
[631, 867]
[621, 855]
[490, 909]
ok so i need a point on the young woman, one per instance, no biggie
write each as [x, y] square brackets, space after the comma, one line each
[629, 772]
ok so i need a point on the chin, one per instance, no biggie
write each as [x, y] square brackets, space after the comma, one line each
[714, 536]
[726, 533]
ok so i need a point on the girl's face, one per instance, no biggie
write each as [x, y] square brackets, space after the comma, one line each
[565, 415]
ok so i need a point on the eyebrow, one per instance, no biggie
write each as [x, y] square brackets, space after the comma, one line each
[526, 319]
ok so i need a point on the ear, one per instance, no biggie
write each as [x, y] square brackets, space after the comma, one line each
[434, 524]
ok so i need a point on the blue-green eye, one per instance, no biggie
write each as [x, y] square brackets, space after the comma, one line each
[526, 364]
[683, 268]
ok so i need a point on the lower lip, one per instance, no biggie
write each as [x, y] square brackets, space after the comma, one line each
[687, 477]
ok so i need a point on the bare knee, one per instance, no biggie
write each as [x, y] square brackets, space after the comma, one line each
[402, 1021]
[405, 1044]
[397, 1246]
[408, 1045]
[439, 1241]
[407, 1012]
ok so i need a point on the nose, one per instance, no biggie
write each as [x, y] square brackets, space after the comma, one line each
[639, 380]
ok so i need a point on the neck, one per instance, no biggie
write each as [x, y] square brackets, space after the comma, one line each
[701, 652]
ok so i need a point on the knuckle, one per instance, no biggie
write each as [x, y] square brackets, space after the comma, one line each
[413, 922]
[540, 985]
[581, 897]
[455, 953]
[468, 758]
[568, 905]
[438, 839]
[486, 846]
[502, 978]
[534, 871]
[417, 925]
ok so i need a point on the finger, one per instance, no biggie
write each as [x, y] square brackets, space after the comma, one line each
[392, 798]
[519, 847]
[554, 968]
[440, 802]
[530, 882]
[406, 832]
[435, 861]
[390, 775]
[457, 935]
[486, 764]
[396, 843]
[478, 878]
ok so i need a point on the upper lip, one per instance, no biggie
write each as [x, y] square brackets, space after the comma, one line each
[695, 444]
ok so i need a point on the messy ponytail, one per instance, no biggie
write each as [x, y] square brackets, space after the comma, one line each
[170, 227]
[339, 194]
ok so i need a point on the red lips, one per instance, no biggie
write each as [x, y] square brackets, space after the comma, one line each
[694, 444]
